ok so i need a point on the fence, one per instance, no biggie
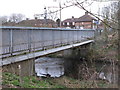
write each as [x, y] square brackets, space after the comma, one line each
[27, 39]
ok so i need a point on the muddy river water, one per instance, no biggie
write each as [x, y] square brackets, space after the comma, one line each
[54, 67]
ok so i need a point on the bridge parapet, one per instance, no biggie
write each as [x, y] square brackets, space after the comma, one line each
[17, 40]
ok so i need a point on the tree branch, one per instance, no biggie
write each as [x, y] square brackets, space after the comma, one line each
[80, 6]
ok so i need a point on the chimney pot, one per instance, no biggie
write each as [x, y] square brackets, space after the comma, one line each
[35, 18]
[86, 13]
[27, 18]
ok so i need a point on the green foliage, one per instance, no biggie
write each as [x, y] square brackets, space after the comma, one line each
[104, 84]
[27, 81]
[59, 86]
[9, 78]
[16, 82]
[34, 80]
[12, 80]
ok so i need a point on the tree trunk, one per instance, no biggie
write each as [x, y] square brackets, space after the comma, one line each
[119, 43]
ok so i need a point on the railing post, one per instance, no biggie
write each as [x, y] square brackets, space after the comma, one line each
[67, 37]
[77, 36]
[11, 41]
[53, 37]
[1, 45]
[29, 40]
[61, 37]
[42, 36]
[73, 37]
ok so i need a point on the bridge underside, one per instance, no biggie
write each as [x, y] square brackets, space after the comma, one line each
[23, 57]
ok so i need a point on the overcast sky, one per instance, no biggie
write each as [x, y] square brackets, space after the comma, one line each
[31, 7]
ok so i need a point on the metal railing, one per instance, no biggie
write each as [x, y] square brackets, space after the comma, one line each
[27, 39]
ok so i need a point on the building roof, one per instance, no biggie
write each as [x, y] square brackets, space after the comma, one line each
[70, 20]
[85, 18]
[37, 22]
[9, 24]
[67, 20]
[32, 22]
[42, 21]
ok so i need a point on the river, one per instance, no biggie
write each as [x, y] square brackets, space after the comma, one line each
[55, 67]
[52, 66]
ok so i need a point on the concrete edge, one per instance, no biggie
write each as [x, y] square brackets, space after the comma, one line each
[14, 59]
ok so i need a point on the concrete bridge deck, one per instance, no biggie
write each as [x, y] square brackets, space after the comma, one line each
[31, 55]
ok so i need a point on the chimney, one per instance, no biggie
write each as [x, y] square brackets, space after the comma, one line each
[86, 13]
[72, 16]
[36, 18]
[27, 18]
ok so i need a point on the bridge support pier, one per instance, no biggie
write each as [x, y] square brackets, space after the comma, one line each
[77, 51]
[74, 59]
[23, 68]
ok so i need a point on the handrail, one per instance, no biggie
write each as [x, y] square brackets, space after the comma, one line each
[42, 28]
[16, 40]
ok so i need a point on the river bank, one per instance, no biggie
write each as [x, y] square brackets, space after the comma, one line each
[13, 81]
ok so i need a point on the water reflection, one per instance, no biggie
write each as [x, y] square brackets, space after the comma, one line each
[49, 66]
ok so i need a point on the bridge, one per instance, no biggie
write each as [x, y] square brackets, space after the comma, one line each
[20, 44]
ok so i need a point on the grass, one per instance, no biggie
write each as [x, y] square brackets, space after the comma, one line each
[13, 81]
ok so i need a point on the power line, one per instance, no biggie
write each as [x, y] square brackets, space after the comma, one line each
[81, 7]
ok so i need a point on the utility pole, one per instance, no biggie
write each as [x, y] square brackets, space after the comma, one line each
[45, 13]
[60, 10]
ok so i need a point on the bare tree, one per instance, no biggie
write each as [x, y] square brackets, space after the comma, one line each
[106, 14]
[110, 14]
[51, 15]
[16, 18]
[3, 19]
[110, 18]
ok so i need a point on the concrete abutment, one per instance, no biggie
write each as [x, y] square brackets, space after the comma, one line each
[23, 68]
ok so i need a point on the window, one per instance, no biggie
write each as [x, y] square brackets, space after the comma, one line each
[73, 23]
[67, 23]
[70, 23]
